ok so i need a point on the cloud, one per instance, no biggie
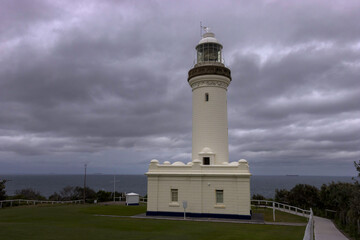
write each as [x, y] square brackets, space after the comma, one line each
[107, 80]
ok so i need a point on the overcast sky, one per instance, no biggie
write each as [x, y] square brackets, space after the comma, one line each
[105, 83]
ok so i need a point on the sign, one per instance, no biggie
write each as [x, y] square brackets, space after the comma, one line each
[184, 204]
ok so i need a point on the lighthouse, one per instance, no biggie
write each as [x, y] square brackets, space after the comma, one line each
[209, 80]
[208, 185]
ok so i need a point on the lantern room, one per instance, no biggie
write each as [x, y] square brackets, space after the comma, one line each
[209, 49]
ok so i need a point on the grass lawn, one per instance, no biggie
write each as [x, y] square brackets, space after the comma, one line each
[78, 222]
[279, 216]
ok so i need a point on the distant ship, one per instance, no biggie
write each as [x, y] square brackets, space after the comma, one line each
[292, 175]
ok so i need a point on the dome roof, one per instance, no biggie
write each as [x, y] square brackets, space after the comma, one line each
[242, 161]
[209, 37]
[206, 150]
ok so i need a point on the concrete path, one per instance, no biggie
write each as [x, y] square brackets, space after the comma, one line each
[326, 230]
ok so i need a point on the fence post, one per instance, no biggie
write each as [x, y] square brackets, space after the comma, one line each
[274, 211]
[312, 224]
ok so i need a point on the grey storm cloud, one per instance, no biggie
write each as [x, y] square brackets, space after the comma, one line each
[107, 80]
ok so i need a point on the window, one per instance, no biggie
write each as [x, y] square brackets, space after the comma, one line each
[219, 196]
[174, 195]
[206, 161]
[206, 97]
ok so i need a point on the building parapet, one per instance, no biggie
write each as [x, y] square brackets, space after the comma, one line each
[240, 168]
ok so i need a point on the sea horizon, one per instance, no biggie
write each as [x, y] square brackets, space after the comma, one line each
[47, 184]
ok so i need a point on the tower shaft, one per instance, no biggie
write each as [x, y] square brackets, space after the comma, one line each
[209, 84]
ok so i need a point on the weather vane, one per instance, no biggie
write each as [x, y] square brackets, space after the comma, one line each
[206, 29]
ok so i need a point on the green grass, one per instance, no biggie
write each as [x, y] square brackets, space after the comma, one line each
[279, 216]
[79, 222]
[120, 210]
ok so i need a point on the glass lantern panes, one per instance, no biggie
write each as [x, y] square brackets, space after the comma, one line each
[208, 52]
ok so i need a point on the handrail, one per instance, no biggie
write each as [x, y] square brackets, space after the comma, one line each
[309, 231]
[282, 207]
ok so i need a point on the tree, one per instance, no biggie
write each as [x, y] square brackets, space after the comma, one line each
[258, 197]
[55, 197]
[2, 190]
[357, 166]
[336, 196]
[28, 193]
[67, 193]
[282, 195]
[304, 196]
[103, 196]
[79, 194]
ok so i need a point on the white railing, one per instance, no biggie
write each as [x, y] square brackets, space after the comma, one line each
[281, 207]
[34, 202]
[309, 231]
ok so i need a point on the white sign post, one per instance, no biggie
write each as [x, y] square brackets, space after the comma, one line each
[184, 206]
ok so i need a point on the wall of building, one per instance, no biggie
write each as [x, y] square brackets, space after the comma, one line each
[199, 192]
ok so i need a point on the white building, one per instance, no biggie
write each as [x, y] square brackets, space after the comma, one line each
[209, 184]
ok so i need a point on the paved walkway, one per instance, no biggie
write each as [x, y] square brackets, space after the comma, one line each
[326, 230]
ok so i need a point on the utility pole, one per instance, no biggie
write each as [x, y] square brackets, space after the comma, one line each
[85, 165]
[114, 187]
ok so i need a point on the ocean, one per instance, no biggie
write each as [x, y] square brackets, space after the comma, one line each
[48, 184]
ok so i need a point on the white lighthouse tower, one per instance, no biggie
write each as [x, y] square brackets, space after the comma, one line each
[207, 186]
[209, 80]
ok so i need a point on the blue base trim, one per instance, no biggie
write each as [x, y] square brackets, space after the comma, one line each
[132, 204]
[198, 215]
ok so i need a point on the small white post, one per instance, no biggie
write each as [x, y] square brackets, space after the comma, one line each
[273, 211]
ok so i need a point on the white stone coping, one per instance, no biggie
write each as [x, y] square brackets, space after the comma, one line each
[195, 168]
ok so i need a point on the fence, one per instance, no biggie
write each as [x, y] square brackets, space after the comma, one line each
[34, 202]
[309, 231]
[282, 207]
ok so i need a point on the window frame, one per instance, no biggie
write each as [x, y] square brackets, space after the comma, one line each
[219, 196]
[172, 196]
